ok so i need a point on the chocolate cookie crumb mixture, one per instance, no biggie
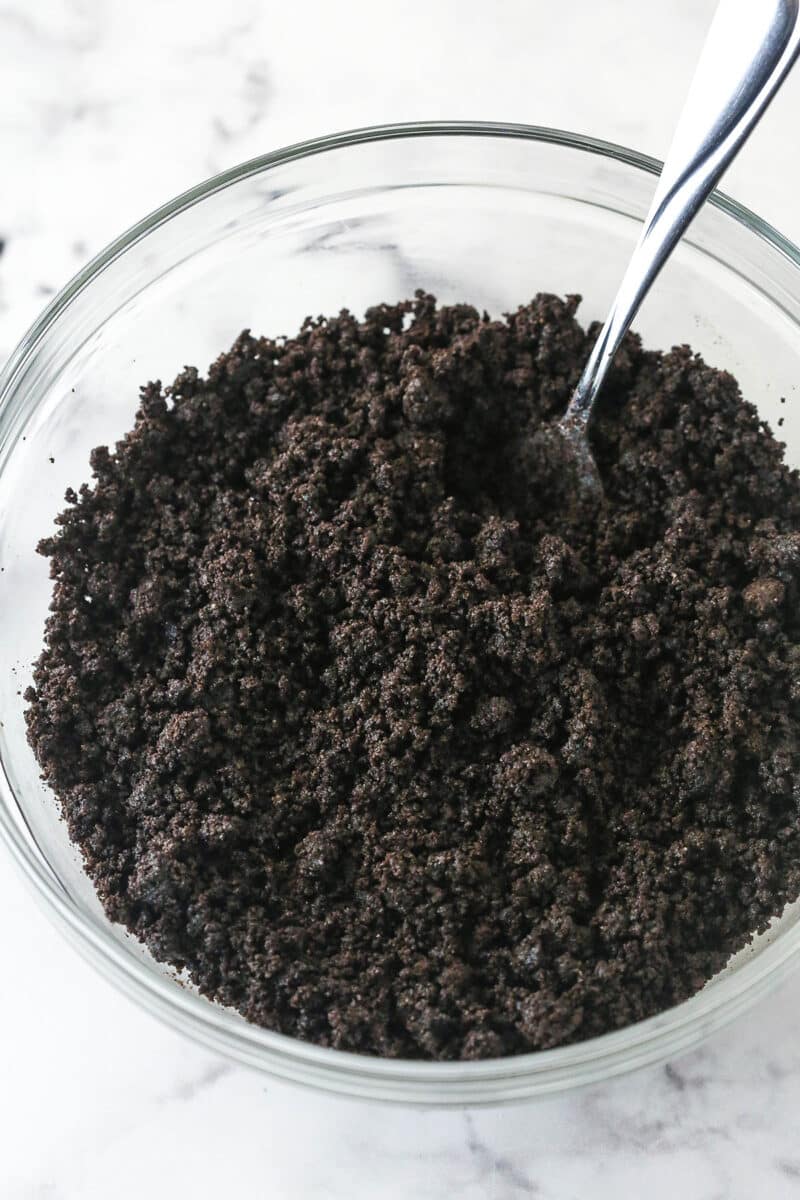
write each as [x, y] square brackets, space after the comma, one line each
[356, 717]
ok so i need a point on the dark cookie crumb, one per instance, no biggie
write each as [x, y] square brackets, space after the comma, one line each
[355, 719]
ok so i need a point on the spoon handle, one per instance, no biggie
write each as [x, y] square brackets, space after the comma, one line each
[750, 48]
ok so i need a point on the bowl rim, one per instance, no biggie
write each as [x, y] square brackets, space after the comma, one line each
[516, 1076]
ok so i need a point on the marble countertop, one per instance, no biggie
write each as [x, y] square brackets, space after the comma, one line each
[106, 110]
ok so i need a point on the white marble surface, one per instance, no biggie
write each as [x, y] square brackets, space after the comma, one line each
[106, 109]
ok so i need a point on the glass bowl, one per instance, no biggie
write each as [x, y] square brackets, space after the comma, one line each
[489, 214]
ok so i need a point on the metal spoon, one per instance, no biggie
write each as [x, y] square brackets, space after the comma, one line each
[748, 53]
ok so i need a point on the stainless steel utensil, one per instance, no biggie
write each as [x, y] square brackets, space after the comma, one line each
[750, 48]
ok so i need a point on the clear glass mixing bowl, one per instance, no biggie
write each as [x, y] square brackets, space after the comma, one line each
[485, 213]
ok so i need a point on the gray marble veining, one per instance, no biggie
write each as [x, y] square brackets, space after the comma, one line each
[106, 110]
